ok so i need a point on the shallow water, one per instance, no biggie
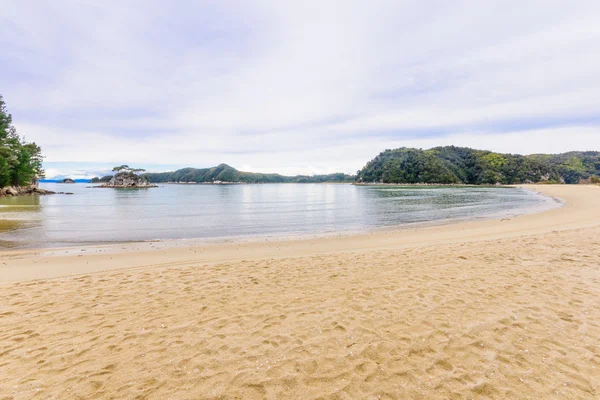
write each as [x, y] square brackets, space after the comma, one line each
[94, 215]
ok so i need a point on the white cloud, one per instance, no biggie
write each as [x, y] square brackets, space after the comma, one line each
[299, 87]
[73, 173]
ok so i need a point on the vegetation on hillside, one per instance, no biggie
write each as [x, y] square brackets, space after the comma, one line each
[20, 162]
[103, 179]
[461, 165]
[225, 173]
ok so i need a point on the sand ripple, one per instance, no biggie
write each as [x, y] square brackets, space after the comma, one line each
[512, 318]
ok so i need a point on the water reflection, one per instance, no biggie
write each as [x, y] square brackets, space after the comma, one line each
[213, 211]
[18, 213]
[20, 203]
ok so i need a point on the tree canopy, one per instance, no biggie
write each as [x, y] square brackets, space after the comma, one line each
[127, 168]
[226, 173]
[462, 165]
[20, 161]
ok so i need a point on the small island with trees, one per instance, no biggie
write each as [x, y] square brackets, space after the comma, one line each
[127, 177]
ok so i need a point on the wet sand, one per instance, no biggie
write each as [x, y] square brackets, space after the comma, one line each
[490, 309]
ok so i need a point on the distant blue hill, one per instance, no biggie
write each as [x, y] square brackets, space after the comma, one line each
[60, 180]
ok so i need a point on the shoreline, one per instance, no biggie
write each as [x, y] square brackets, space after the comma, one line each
[125, 255]
[483, 309]
[132, 245]
[546, 204]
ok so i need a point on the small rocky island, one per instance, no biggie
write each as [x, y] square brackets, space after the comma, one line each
[68, 180]
[126, 177]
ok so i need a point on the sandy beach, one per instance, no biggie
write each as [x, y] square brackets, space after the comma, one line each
[489, 309]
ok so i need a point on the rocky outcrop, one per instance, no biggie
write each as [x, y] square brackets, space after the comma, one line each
[23, 190]
[127, 179]
[68, 180]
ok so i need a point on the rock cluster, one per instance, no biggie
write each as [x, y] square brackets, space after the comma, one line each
[127, 179]
[23, 190]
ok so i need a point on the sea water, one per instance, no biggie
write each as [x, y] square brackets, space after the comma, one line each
[101, 215]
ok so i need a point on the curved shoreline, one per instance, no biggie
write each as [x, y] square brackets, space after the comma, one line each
[545, 203]
[580, 210]
[495, 309]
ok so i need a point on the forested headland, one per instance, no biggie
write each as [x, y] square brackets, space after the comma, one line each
[439, 165]
[20, 161]
[462, 165]
[224, 173]
[21, 165]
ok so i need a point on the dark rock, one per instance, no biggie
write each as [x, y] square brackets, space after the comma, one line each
[127, 179]
[23, 191]
[68, 180]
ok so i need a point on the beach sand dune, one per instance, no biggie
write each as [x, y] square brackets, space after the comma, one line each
[503, 316]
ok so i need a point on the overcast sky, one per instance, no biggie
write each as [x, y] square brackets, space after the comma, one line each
[296, 86]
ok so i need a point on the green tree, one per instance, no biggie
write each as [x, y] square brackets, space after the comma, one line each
[452, 164]
[128, 169]
[20, 161]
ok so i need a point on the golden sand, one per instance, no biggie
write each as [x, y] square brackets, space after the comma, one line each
[491, 309]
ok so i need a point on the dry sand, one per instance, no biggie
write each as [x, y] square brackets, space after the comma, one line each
[492, 309]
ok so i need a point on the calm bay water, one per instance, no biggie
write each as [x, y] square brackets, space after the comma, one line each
[234, 211]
